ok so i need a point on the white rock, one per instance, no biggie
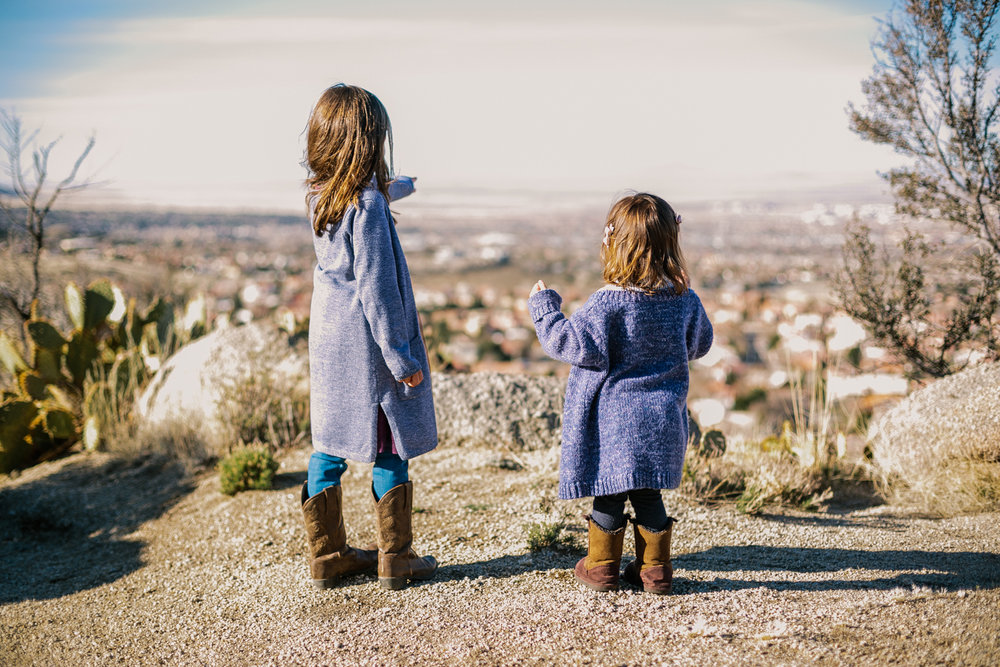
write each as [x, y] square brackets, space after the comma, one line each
[188, 389]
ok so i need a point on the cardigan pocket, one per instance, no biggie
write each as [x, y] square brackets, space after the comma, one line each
[405, 392]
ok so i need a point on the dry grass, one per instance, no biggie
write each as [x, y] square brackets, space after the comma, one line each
[799, 467]
[262, 406]
[257, 402]
[753, 477]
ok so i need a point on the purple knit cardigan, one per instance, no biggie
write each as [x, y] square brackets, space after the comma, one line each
[625, 416]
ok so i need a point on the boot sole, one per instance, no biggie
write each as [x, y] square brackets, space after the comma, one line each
[644, 589]
[324, 584]
[600, 588]
[396, 583]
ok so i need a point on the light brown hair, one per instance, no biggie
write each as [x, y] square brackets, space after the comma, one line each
[641, 249]
[345, 140]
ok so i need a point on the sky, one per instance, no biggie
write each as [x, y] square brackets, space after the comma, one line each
[203, 104]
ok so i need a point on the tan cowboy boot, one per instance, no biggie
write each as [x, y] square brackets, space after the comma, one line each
[330, 556]
[599, 568]
[397, 561]
[651, 570]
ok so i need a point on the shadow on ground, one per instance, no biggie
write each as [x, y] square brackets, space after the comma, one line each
[68, 531]
[936, 569]
[288, 480]
[510, 565]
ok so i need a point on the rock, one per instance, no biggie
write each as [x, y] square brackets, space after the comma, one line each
[188, 396]
[943, 441]
[520, 412]
[186, 399]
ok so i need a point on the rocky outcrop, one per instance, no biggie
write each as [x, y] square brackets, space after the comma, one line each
[186, 401]
[942, 443]
[519, 412]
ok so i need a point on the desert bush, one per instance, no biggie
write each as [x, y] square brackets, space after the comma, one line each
[797, 467]
[262, 406]
[547, 527]
[932, 97]
[238, 386]
[247, 469]
[542, 535]
[752, 475]
[939, 449]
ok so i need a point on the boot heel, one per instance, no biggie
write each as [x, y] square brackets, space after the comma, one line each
[324, 584]
[392, 583]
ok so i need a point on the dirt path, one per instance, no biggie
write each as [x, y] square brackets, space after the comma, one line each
[104, 561]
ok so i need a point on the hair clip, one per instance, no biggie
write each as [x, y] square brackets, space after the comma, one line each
[677, 216]
[607, 233]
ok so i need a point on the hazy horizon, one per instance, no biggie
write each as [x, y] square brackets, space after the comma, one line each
[202, 105]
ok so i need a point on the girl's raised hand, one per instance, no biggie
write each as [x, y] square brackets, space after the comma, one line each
[401, 186]
[536, 288]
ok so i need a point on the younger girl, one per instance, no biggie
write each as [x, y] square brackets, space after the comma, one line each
[370, 385]
[625, 425]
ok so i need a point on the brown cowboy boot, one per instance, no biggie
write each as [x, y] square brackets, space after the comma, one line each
[651, 570]
[599, 568]
[397, 561]
[330, 556]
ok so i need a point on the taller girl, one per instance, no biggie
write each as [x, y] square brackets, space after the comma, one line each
[370, 384]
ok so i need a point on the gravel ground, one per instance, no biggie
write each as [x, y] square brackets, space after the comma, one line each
[106, 561]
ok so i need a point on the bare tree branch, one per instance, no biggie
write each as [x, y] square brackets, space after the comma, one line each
[29, 201]
[934, 98]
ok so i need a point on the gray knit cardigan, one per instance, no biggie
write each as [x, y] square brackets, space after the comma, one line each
[625, 416]
[364, 336]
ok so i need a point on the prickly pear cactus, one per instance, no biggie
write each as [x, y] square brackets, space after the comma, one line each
[69, 387]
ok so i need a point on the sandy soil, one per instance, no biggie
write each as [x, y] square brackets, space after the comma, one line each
[131, 561]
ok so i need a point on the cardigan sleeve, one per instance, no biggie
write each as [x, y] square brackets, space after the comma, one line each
[569, 340]
[378, 286]
[699, 333]
[401, 187]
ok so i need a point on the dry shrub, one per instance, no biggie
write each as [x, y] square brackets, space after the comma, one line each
[263, 406]
[939, 449]
[752, 476]
[176, 438]
[251, 388]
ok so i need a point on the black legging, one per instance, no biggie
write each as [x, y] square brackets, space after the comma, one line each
[609, 511]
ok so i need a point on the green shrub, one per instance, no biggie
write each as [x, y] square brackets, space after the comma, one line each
[247, 470]
[749, 398]
[548, 535]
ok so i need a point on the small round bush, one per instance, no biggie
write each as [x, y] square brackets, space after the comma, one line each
[247, 469]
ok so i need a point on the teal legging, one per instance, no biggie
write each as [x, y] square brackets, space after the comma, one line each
[325, 470]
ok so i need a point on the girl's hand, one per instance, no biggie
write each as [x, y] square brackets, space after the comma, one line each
[401, 186]
[414, 379]
[536, 288]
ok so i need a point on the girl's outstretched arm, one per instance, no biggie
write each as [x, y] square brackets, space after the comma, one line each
[562, 338]
[378, 287]
[401, 186]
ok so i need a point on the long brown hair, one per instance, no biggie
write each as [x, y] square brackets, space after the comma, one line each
[345, 140]
[641, 248]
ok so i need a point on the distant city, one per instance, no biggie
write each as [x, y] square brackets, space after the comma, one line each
[763, 271]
